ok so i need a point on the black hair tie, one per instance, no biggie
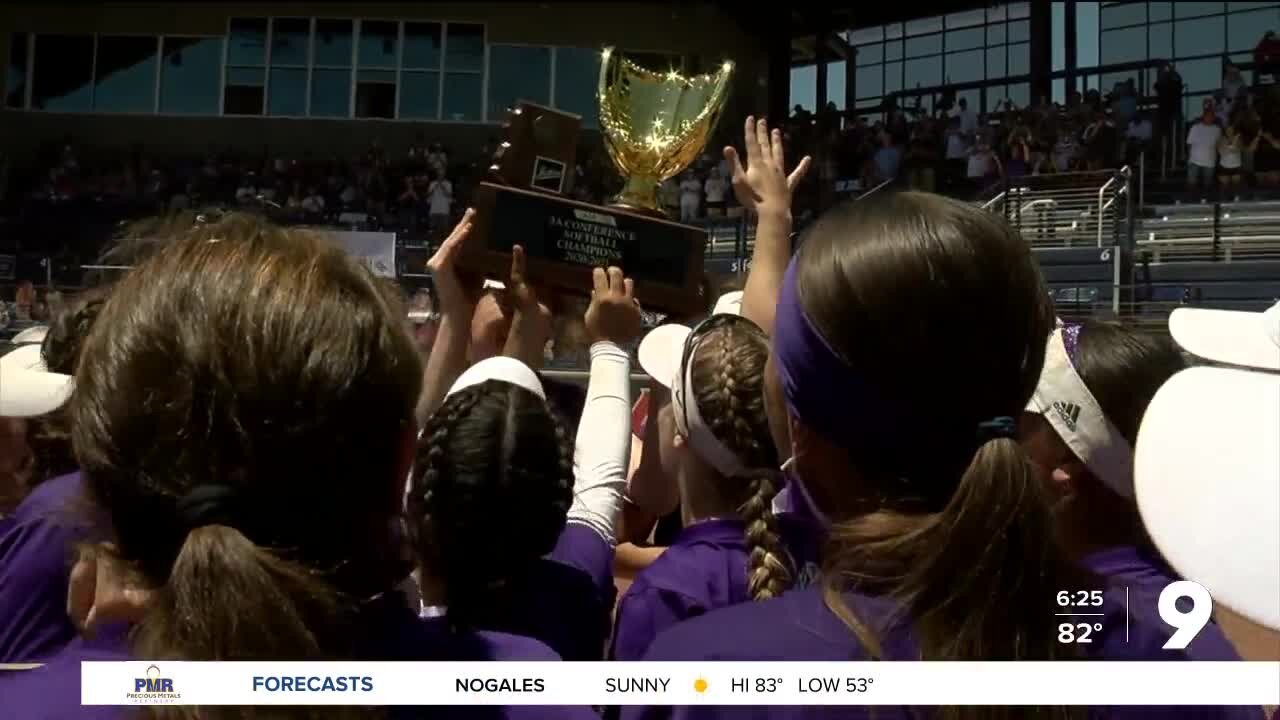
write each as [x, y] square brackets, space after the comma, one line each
[997, 428]
[209, 505]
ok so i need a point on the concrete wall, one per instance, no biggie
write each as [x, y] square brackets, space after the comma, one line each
[697, 29]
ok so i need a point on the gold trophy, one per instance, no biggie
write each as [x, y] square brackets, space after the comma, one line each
[655, 123]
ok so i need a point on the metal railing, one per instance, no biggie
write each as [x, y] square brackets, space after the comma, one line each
[1068, 210]
[1227, 232]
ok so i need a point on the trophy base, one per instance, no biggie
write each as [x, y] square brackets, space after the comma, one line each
[564, 240]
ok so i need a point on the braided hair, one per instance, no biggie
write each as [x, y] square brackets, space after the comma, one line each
[727, 369]
[494, 463]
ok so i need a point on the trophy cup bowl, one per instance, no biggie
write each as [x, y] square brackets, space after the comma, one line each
[655, 123]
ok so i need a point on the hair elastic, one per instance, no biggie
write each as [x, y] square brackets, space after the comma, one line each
[997, 428]
[205, 505]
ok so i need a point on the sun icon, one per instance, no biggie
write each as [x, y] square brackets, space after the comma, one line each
[700, 685]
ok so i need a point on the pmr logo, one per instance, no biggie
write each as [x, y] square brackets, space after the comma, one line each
[154, 688]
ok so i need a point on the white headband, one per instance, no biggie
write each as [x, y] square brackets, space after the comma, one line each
[1064, 400]
[704, 442]
[502, 368]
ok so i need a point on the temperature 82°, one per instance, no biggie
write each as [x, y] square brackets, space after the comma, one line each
[1078, 632]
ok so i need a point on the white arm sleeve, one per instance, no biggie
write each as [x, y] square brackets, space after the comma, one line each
[603, 444]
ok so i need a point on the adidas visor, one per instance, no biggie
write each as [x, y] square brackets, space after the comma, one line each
[1075, 415]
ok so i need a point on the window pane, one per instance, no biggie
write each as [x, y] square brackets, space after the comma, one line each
[465, 44]
[996, 13]
[190, 74]
[803, 86]
[924, 25]
[1020, 94]
[243, 93]
[288, 92]
[965, 19]
[63, 73]
[289, 39]
[1160, 37]
[422, 45]
[892, 77]
[1195, 9]
[966, 39]
[893, 50]
[461, 96]
[995, 63]
[518, 72]
[1201, 75]
[333, 43]
[1019, 59]
[835, 83]
[1159, 11]
[927, 45]
[964, 67]
[378, 44]
[1202, 36]
[1019, 10]
[923, 72]
[15, 78]
[893, 31]
[866, 35]
[1020, 31]
[1125, 45]
[577, 74]
[1130, 13]
[1233, 6]
[1244, 30]
[375, 99]
[870, 54]
[126, 74]
[330, 93]
[870, 81]
[421, 94]
[996, 34]
[248, 40]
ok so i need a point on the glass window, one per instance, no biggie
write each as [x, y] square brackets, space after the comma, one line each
[422, 45]
[288, 94]
[966, 18]
[870, 54]
[518, 72]
[926, 45]
[870, 81]
[863, 36]
[290, 38]
[835, 83]
[804, 81]
[1058, 25]
[330, 93]
[1020, 31]
[1060, 91]
[420, 94]
[1202, 36]
[1244, 30]
[125, 74]
[892, 77]
[1019, 59]
[376, 94]
[1201, 75]
[996, 63]
[1126, 45]
[464, 51]
[1234, 6]
[893, 50]
[996, 34]
[247, 42]
[243, 92]
[378, 43]
[922, 72]
[62, 78]
[964, 66]
[893, 31]
[966, 39]
[1160, 41]
[577, 75]
[1020, 94]
[190, 73]
[462, 102]
[997, 13]
[1159, 11]
[15, 77]
[333, 43]
[924, 25]
[1019, 10]
[1123, 14]
[972, 98]
[1183, 9]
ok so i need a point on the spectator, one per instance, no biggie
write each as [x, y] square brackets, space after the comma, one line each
[313, 204]
[1100, 141]
[717, 189]
[1138, 136]
[1065, 151]
[1017, 165]
[440, 200]
[1266, 56]
[957, 152]
[248, 190]
[984, 166]
[922, 158]
[407, 204]
[1202, 140]
[968, 118]
[887, 161]
[1233, 84]
[690, 197]
[668, 196]
[1230, 158]
[1168, 101]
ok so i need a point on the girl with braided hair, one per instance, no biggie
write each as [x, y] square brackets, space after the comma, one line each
[713, 438]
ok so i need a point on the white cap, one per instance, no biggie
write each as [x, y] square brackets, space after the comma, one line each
[34, 334]
[729, 303]
[1207, 464]
[501, 368]
[27, 388]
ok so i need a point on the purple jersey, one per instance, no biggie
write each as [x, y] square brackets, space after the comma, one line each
[704, 569]
[803, 530]
[389, 631]
[800, 626]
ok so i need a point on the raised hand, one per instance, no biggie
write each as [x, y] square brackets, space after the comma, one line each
[614, 314]
[453, 291]
[530, 321]
[764, 185]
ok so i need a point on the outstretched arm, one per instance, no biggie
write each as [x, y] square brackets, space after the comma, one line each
[449, 354]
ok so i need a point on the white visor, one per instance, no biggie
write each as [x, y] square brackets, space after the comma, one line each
[1065, 401]
[27, 388]
[35, 334]
[501, 368]
[1227, 336]
[1207, 480]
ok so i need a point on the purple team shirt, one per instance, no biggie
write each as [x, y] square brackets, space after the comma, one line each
[389, 631]
[36, 546]
[704, 569]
